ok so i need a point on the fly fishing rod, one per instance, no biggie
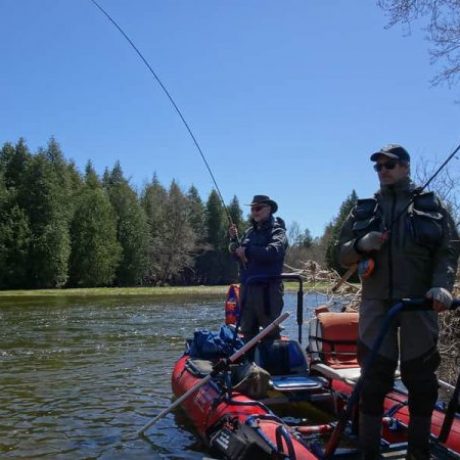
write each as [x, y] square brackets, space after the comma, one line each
[417, 192]
[168, 94]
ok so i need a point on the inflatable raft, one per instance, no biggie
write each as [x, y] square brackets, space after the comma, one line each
[284, 402]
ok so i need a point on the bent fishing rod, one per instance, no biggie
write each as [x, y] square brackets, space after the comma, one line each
[417, 192]
[171, 100]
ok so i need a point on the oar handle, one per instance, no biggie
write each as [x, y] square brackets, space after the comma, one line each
[237, 355]
[345, 277]
[425, 304]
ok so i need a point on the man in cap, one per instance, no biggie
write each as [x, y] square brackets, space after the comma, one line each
[412, 240]
[260, 252]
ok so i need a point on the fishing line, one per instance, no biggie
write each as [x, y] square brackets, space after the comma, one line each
[163, 87]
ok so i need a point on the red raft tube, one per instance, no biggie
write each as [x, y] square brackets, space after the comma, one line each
[235, 425]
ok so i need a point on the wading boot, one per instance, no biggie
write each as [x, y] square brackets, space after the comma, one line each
[417, 454]
[369, 436]
[418, 438]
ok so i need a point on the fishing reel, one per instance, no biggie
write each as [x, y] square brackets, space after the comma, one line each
[366, 268]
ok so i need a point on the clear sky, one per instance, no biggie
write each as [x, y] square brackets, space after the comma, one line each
[287, 98]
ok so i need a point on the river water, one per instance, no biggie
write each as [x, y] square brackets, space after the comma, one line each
[79, 377]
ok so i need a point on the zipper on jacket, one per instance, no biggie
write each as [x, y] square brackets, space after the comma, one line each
[390, 248]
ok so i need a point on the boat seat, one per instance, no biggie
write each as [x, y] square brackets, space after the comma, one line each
[346, 374]
[287, 364]
[333, 339]
[295, 383]
[349, 375]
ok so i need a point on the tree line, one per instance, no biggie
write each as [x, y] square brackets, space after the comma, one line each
[60, 227]
[63, 228]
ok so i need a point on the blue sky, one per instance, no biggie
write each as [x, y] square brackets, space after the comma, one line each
[286, 98]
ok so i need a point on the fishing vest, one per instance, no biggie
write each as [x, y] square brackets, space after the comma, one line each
[423, 218]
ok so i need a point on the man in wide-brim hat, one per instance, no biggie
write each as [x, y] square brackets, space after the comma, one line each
[260, 252]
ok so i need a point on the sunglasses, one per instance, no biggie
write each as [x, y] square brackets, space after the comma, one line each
[387, 165]
[257, 208]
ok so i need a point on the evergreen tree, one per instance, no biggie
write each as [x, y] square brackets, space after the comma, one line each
[215, 221]
[107, 175]
[14, 241]
[15, 232]
[332, 232]
[197, 220]
[236, 214]
[132, 228]
[6, 153]
[15, 237]
[91, 178]
[229, 264]
[43, 200]
[15, 163]
[178, 241]
[64, 178]
[153, 201]
[95, 249]
[213, 264]
[197, 213]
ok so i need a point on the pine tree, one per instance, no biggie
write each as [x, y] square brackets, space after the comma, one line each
[197, 213]
[215, 221]
[6, 153]
[132, 228]
[15, 163]
[230, 267]
[95, 249]
[197, 219]
[15, 236]
[213, 263]
[178, 241]
[14, 241]
[43, 200]
[332, 232]
[154, 198]
[236, 214]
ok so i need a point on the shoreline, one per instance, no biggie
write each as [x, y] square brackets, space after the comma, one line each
[155, 291]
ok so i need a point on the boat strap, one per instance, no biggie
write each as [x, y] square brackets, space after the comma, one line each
[283, 435]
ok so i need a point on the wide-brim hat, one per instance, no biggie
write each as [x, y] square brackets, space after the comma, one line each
[393, 151]
[264, 199]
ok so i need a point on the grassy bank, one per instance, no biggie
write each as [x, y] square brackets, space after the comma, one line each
[124, 291]
[169, 291]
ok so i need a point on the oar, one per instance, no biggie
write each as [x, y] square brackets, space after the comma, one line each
[450, 413]
[217, 368]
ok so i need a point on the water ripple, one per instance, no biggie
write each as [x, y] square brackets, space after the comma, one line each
[78, 379]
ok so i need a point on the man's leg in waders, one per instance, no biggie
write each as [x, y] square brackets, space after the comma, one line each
[270, 306]
[380, 377]
[419, 361]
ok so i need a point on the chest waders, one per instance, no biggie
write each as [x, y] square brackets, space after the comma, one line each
[261, 278]
[407, 305]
